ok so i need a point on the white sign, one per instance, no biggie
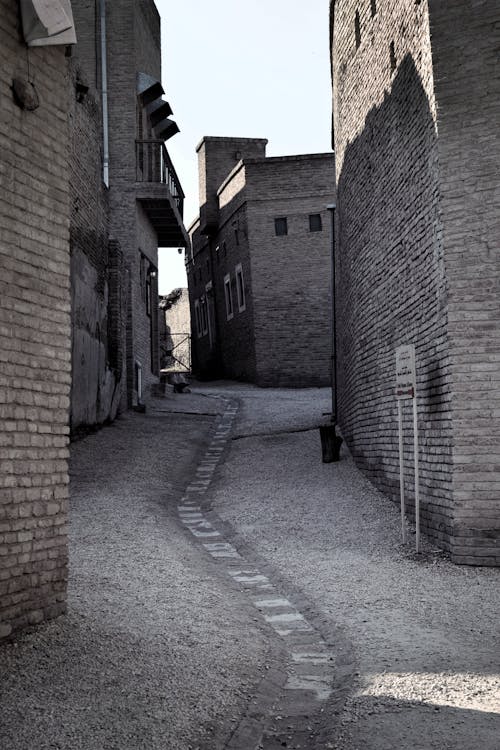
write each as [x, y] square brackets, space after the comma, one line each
[406, 381]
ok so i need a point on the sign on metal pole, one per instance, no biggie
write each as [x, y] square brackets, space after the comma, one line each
[406, 387]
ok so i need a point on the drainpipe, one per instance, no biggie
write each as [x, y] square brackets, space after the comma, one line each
[330, 441]
[104, 94]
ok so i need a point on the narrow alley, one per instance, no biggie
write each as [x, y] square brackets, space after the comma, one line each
[229, 590]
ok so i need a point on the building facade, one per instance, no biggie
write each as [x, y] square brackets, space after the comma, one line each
[416, 100]
[259, 270]
[35, 326]
[135, 206]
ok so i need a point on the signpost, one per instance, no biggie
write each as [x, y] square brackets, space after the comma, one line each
[406, 387]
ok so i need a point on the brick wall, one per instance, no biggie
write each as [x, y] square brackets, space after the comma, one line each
[291, 273]
[175, 329]
[465, 44]
[96, 356]
[391, 286]
[281, 334]
[216, 158]
[34, 332]
[406, 181]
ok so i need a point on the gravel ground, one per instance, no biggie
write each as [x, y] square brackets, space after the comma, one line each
[156, 650]
[425, 632]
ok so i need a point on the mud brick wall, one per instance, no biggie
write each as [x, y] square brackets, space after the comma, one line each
[415, 95]
[35, 332]
[291, 273]
[465, 44]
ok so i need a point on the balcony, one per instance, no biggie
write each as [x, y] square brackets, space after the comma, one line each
[159, 191]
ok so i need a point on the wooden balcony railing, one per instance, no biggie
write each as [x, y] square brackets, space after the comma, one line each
[153, 165]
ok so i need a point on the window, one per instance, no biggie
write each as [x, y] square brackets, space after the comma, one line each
[281, 226]
[229, 297]
[315, 224]
[240, 288]
[143, 261]
[197, 313]
[357, 29]
[204, 316]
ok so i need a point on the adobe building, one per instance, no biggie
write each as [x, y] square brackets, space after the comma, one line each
[120, 126]
[259, 269]
[416, 100]
[35, 325]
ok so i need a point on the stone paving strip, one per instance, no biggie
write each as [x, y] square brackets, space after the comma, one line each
[293, 721]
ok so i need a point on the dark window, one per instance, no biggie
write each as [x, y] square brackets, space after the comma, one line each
[357, 29]
[374, 7]
[281, 226]
[392, 53]
[148, 295]
[315, 223]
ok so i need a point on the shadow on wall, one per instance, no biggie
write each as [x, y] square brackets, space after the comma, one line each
[391, 291]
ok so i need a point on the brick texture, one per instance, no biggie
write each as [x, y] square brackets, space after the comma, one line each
[405, 241]
[97, 348]
[133, 46]
[281, 337]
[34, 332]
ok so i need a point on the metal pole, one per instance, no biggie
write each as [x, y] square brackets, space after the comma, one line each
[331, 207]
[104, 94]
[417, 488]
[401, 470]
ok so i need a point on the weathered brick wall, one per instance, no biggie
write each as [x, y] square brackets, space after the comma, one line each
[35, 332]
[145, 327]
[216, 158]
[291, 273]
[175, 329]
[96, 363]
[465, 43]
[228, 348]
[391, 283]
[418, 210]
[282, 335]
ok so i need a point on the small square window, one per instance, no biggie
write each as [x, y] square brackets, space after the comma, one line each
[281, 226]
[315, 224]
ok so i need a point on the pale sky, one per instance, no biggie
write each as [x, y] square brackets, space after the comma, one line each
[256, 69]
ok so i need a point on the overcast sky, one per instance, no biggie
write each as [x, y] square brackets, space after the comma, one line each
[256, 69]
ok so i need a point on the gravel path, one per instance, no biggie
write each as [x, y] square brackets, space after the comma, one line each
[160, 649]
[425, 632]
[156, 652]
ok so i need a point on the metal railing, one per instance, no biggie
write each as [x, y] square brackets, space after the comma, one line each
[176, 356]
[153, 164]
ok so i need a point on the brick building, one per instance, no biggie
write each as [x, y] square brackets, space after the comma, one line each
[35, 330]
[175, 331]
[259, 270]
[416, 98]
[120, 123]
